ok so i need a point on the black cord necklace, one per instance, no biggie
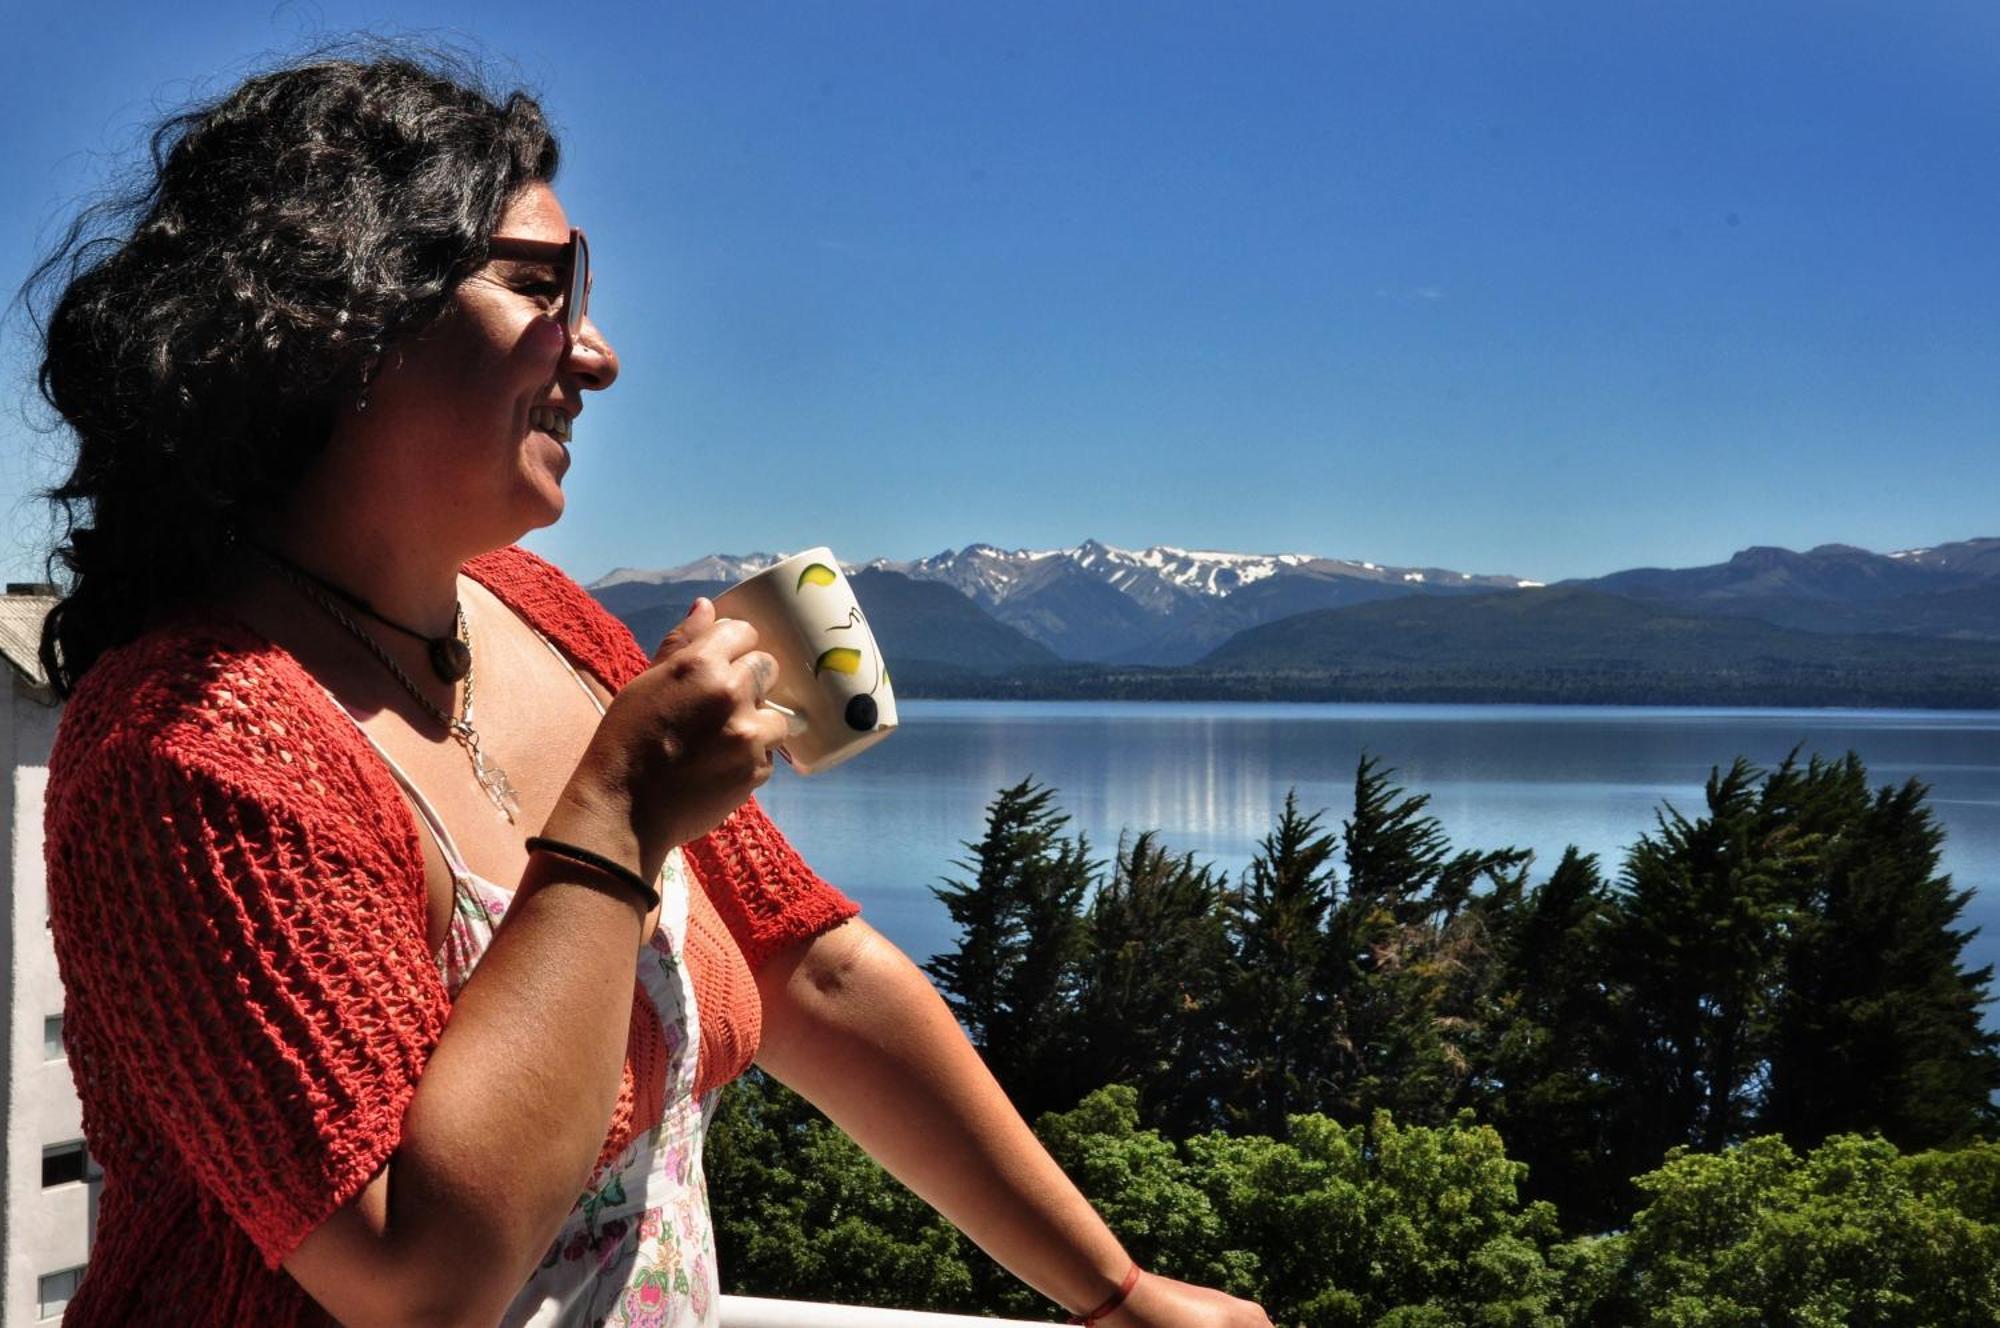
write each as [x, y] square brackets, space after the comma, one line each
[450, 656]
[492, 779]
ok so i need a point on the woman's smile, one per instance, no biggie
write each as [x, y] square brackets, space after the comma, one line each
[551, 421]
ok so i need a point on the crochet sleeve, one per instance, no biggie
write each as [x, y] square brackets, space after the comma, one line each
[767, 896]
[248, 975]
[761, 887]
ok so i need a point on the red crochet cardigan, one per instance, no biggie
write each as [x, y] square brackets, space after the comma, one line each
[237, 898]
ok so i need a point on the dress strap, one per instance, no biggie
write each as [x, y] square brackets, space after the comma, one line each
[435, 823]
[460, 873]
[556, 650]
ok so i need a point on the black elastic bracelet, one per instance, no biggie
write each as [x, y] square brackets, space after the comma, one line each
[556, 847]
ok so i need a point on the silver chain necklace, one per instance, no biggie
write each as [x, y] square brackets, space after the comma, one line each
[492, 778]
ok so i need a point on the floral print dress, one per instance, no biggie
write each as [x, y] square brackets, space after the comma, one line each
[637, 1250]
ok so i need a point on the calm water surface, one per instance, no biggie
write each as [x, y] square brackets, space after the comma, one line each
[1211, 777]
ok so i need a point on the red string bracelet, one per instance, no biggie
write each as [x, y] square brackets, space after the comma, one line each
[1117, 1299]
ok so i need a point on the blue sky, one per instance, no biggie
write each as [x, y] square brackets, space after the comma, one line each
[1546, 289]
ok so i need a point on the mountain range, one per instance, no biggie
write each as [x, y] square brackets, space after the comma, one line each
[1098, 604]
[1922, 622]
[1952, 590]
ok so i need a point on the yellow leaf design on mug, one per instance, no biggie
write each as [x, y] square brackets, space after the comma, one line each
[816, 574]
[841, 659]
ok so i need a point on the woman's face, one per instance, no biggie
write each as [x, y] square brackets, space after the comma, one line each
[478, 411]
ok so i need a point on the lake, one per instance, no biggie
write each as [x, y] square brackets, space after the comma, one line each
[1211, 777]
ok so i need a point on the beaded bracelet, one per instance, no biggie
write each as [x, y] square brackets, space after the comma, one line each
[574, 853]
[1117, 1299]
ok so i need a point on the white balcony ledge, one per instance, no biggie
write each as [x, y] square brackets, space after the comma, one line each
[757, 1312]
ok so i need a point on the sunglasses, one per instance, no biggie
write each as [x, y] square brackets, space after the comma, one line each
[571, 260]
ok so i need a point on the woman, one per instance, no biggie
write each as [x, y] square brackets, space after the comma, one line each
[359, 966]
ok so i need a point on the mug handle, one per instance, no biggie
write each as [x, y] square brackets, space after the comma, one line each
[795, 723]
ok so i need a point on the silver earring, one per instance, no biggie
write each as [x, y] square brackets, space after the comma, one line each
[368, 368]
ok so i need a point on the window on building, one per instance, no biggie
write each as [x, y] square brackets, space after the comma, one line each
[55, 1289]
[63, 1163]
[52, 1043]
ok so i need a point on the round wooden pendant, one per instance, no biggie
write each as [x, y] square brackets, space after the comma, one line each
[451, 658]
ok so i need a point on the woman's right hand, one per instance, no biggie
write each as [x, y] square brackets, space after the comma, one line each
[680, 747]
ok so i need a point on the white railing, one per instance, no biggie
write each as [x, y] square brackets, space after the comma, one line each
[757, 1312]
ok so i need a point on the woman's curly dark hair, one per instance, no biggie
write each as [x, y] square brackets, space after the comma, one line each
[208, 325]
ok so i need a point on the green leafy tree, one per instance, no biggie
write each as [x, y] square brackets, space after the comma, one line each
[1381, 1223]
[1140, 1181]
[802, 1213]
[1852, 1235]
[1384, 1223]
[1332, 1226]
[1012, 978]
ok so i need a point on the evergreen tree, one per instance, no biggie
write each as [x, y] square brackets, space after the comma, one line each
[1278, 1042]
[1151, 988]
[1877, 1026]
[1789, 962]
[1408, 963]
[1542, 1078]
[1012, 978]
[1698, 952]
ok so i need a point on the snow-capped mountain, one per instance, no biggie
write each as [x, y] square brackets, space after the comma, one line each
[1162, 577]
[1161, 605]
[1165, 605]
[1977, 558]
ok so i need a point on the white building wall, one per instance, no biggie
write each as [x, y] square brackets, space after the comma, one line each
[45, 1231]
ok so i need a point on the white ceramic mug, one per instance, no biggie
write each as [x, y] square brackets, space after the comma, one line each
[833, 684]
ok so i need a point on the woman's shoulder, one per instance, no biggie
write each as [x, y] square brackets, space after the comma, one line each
[184, 684]
[560, 609]
[211, 699]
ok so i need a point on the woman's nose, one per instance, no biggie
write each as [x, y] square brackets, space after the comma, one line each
[591, 358]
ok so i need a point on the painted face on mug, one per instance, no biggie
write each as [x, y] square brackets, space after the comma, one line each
[832, 681]
[483, 408]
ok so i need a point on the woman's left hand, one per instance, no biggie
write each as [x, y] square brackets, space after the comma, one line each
[1161, 1302]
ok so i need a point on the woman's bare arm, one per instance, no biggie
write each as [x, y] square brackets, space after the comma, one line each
[854, 1026]
[506, 1123]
